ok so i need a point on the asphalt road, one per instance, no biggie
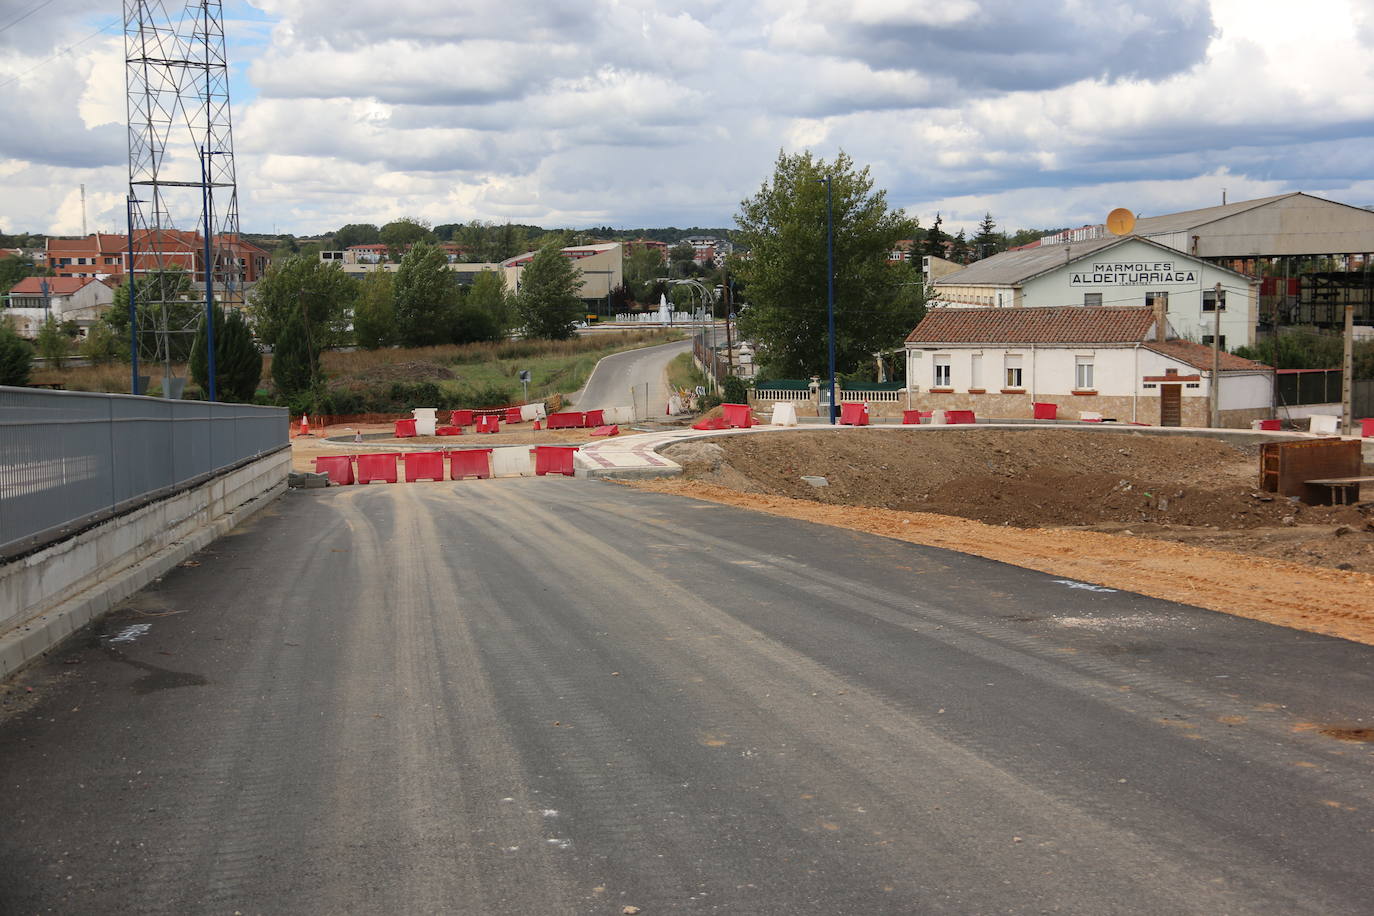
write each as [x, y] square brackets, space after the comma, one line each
[615, 377]
[563, 696]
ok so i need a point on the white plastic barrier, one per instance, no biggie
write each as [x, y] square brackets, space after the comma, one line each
[937, 418]
[424, 420]
[674, 405]
[532, 412]
[620, 414]
[1325, 424]
[1089, 415]
[784, 414]
[512, 461]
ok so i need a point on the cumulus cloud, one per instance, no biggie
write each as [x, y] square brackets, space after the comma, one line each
[643, 112]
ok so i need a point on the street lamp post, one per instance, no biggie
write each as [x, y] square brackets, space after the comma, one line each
[830, 289]
[209, 276]
[133, 310]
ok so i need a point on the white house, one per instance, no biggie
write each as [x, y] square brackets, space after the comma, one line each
[80, 299]
[1112, 272]
[1118, 363]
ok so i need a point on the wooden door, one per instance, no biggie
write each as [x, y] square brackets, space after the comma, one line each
[1170, 405]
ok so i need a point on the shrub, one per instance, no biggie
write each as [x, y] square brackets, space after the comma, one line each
[16, 357]
[734, 391]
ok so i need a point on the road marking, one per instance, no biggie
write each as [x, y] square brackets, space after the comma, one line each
[1084, 585]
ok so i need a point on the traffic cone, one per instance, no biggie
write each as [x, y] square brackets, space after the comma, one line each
[536, 425]
[305, 426]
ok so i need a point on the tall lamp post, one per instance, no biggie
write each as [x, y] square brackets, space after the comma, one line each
[133, 309]
[830, 288]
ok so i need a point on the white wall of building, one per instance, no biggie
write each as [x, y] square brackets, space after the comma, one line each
[1126, 273]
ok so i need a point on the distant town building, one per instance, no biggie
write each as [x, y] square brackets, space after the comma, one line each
[33, 299]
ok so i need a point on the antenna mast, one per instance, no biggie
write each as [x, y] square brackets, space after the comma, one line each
[182, 180]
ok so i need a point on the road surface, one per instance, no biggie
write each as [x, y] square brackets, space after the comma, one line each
[545, 696]
[640, 370]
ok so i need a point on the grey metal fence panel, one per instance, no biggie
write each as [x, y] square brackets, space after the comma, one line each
[67, 457]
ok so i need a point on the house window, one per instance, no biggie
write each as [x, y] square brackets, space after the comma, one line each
[1209, 300]
[1092, 298]
[1013, 372]
[1207, 340]
[942, 372]
[1083, 373]
[976, 371]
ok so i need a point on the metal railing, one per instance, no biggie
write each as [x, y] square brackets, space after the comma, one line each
[69, 459]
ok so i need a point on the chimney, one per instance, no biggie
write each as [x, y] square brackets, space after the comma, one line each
[1161, 319]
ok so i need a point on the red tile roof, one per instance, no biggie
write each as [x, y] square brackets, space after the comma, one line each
[1200, 356]
[57, 286]
[1072, 324]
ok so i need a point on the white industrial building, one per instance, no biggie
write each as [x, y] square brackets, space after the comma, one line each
[1112, 272]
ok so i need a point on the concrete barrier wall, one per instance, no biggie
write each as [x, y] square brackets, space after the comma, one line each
[49, 594]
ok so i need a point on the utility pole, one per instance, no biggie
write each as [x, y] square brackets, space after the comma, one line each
[1348, 373]
[1215, 421]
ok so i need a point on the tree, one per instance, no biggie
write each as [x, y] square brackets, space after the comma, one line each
[784, 227]
[155, 291]
[16, 357]
[357, 234]
[474, 325]
[51, 342]
[644, 266]
[374, 315]
[547, 302]
[321, 290]
[426, 297]
[12, 270]
[959, 252]
[988, 241]
[238, 364]
[622, 300]
[295, 362]
[935, 240]
[399, 235]
[102, 345]
[488, 294]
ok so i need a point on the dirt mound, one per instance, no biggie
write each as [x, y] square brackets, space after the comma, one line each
[1187, 488]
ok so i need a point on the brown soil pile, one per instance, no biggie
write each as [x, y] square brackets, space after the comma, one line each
[1178, 518]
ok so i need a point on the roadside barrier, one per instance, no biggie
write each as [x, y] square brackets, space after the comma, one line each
[470, 462]
[606, 431]
[593, 418]
[449, 431]
[1045, 411]
[1366, 428]
[379, 466]
[305, 427]
[914, 417]
[713, 423]
[784, 414]
[960, 416]
[338, 467]
[488, 424]
[511, 461]
[513, 415]
[554, 459]
[424, 465]
[460, 418]
[532, 411]
[405, 429]
[853, 413]
[737, 416]
[567, 420]
[424, 420]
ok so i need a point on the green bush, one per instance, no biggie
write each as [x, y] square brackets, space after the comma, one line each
[16, 357]
[734, 391]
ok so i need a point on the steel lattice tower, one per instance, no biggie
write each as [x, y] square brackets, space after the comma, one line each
[181, 163]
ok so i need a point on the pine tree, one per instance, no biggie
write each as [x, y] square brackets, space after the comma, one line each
[238, 364]
[295, 363]
[16, 357]
[988, 241]
[547, 301]
[935, 240]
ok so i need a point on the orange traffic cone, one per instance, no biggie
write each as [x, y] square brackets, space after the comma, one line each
[305, 427]
[536, 425]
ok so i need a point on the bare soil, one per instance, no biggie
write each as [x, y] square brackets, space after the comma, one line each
[1176, 517]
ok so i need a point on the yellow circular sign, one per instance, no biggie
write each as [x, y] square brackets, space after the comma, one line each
[1120, 221]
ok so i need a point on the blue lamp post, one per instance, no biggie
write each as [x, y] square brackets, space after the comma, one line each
[209, 276]
[133, 309]
[830, 290]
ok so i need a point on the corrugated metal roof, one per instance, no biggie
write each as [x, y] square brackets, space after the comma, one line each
[1063, 324]
[1188, 219]
[1012, 267]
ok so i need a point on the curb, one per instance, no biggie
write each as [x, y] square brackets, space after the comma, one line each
[36, 637]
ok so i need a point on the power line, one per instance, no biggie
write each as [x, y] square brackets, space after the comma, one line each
[76, 44]
[22, 16]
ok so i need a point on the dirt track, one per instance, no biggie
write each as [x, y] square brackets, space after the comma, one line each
[1177, 518]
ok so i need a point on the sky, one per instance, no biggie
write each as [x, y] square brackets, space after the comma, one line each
[635, 113]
